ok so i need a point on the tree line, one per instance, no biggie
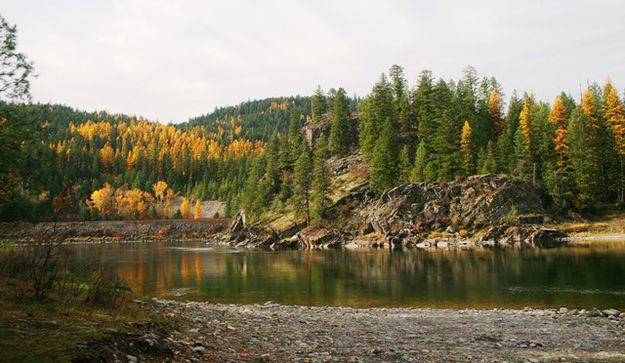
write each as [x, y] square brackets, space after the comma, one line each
[441, 129]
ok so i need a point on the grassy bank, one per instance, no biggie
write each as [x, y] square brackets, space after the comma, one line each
[54, 331]
[53, 309]
[600, 225]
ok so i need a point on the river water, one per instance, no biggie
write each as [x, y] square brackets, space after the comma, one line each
[579, 276]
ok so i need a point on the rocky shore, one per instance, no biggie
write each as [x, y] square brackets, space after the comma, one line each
[278, 333]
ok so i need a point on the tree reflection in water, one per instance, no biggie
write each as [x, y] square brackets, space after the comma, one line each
[579, 276]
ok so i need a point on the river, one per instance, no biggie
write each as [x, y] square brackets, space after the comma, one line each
[579, 276]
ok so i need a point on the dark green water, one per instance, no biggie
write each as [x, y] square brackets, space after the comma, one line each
[585, 276]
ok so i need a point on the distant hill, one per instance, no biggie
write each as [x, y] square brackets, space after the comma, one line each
[256, 120]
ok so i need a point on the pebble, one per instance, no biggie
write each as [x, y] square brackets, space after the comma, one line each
[319, 334]
[611, 312]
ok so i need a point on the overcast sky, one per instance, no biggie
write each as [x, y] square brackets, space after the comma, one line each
[171, 60]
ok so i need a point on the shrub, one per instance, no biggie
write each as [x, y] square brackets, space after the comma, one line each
[512, 217]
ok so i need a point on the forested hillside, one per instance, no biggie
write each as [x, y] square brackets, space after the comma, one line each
[70, 154]
[440, 130]
[254, 155]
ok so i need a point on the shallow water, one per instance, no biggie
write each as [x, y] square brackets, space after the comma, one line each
[590, 275]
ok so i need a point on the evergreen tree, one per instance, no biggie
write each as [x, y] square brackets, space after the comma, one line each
[401, 102]
[320, 183]
[16, 69]
[253, 205]
[294, 135]
[446, 157]
[507, 159]
[405, 165]
[301, 182]
[377, 108]
[423, 106]
[490, 162]
[319, 104]
[384, 164]
[340, 128]
[270, 182]
[584, 159]
[420, 162]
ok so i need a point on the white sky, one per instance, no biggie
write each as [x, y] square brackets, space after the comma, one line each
[171, 60]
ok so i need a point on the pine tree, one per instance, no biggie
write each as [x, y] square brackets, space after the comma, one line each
[601, 147]
[420, 162]
[490, 162]
[270, 181]
[506, 156]
[466, 145]
[384, 164]
[423, 106]
[301, 182]
[320, 183]
[405, 165]
[319, 104]
[340, 128]
[377, 108]
[252, 205]
[294, 135]
[584, 159]
[401, 103]
[446, 156]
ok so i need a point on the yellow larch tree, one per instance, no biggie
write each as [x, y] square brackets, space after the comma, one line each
[107, 156]
[466, 147]
[589, 106]
[615, 118]
[558, 117]
[495, 110]
[525, 122]
[103, 200]
[185, 209]
[198, 209]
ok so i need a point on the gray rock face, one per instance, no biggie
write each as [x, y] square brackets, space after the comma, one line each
[412, 211]
[468, 203]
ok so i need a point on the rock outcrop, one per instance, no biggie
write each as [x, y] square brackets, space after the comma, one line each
[484, 210]
[413, 213]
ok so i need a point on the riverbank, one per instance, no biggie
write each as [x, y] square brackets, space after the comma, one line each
[103, 231]
[279, 333]
[163, 330]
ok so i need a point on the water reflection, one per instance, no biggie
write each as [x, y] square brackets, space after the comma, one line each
[579, 276]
